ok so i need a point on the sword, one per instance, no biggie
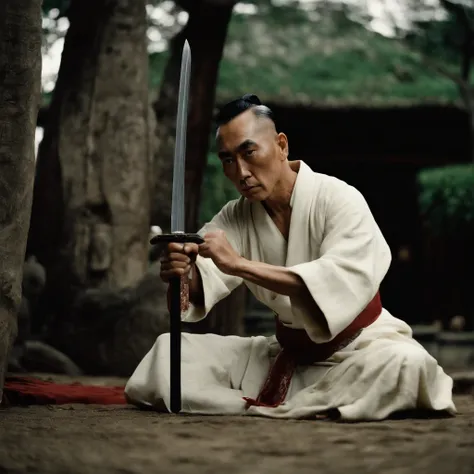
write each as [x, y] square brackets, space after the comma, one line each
[178, 287]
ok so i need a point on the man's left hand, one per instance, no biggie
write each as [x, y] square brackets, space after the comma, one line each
[217, 247]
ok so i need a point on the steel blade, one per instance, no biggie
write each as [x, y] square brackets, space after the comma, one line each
[177, 197]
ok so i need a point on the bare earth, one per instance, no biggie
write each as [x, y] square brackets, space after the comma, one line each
[96, 439]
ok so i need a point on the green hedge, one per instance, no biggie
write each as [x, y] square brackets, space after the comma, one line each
[446, 198]
[216, 189]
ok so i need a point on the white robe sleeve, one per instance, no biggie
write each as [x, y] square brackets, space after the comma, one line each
[354, 258]
[216, 284]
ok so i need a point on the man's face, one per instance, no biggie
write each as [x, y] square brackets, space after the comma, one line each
[252, 154]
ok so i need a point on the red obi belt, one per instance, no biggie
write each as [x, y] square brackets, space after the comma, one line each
[298, 349]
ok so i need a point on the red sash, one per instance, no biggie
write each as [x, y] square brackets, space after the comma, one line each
[297, 348]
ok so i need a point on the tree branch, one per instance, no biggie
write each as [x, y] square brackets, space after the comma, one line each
[464, 87]
[460, 11]
[459, 81]
[188, 5]
[466, 55]
[221, 3]
[454, 7]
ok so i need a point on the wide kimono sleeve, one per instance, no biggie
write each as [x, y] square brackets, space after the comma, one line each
[353, 260]
[216, 284]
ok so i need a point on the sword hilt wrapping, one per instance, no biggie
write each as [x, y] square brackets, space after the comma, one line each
[182, 238]
[184, 293]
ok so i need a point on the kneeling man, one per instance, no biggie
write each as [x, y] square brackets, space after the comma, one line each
[307, 246]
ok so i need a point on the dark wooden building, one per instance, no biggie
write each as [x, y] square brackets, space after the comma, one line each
[379, 150]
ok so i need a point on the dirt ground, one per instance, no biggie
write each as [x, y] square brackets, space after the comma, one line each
[87, 439]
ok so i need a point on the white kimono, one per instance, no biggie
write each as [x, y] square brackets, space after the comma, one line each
[338, 250]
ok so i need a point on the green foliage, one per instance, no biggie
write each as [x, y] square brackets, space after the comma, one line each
[441, 41]
[324, 61]
[446, 198]
[156, 67]
[217, 190]
[283, 54]
[287, 54]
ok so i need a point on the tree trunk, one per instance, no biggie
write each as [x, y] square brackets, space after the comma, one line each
[470, 112]
[206, 51]
[20, 72]
[206, 32]
[90, 221]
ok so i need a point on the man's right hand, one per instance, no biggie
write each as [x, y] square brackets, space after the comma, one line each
[177, 260]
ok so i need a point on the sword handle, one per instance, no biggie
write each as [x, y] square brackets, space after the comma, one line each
[174, 303]
[183, 294]
[178, 300]
[181, 238]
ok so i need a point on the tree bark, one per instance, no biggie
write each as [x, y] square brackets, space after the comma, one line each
[20, 73]
[91, 207]
[206, 50]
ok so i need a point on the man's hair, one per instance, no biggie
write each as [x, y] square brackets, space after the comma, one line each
[234, 108]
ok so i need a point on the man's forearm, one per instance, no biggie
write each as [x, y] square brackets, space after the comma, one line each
[274, 278]
[279, 280]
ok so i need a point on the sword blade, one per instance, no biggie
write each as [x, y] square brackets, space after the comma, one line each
[177, 197]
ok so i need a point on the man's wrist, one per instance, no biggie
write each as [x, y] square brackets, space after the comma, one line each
[240, 268]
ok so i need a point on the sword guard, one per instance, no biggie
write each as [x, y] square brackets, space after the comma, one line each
[181, 238]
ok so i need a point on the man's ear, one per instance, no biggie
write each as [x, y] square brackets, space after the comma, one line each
[282, 141]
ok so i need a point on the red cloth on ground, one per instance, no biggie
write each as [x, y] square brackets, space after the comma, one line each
[23, 391]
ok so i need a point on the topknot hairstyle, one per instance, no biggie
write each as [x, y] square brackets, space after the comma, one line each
[234, 108]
